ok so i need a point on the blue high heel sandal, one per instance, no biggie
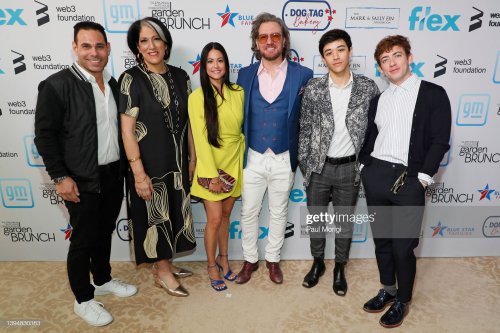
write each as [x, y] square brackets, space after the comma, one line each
[217, 285]
[229, 273]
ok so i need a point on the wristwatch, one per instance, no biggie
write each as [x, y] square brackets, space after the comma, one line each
[59, 180]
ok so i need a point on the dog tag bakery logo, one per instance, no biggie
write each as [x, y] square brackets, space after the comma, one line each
[473, 153]
[176, 18]
[372, 18]
[14, 231]
[308, 15]
[440, 193]
[491, 227]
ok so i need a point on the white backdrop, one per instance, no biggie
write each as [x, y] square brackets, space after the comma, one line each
[454, 46]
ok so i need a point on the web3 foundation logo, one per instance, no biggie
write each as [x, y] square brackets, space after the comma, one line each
[120, 14]
[16, 193]
[421, 19]
[473, 110]
[18, 62]
[307, 15]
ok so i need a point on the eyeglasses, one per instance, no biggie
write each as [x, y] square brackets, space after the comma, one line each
[399, 183]
[275, 38]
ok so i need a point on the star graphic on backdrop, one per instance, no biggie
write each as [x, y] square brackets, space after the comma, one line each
[67, 231]
[227, 17]
[438, 229]
[485, 193]
[196, 64]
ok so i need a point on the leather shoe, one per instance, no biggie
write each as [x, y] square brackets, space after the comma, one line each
[379, 302]
[246, 272]
[339, 281]
[275, 273]
[317, 270]
[395, 315]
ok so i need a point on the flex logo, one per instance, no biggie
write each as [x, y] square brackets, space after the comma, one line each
[18, 62]
[9, 16]
[440, 67]
[235, 231]
[433, 22]
[42, 16]
[415, 67]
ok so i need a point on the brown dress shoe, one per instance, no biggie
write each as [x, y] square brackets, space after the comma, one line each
[246, 272]
[275, 273]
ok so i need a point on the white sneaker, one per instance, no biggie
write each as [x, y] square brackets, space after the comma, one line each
[93, 313]
[115, 287]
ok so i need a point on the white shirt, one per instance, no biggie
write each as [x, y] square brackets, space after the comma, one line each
[341, 144]
[394, 121]
[107, 119]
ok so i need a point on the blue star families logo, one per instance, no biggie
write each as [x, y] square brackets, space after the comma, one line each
[16, 193]
[438, 230]
[486, 192]
[303, 15]
[67, 231]
[196, 64]
[229, 17]
[473, 109]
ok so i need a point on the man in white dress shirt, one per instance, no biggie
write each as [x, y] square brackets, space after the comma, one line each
[407, 136]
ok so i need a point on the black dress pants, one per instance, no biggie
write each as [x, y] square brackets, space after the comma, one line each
[93, 220]
[398, 220]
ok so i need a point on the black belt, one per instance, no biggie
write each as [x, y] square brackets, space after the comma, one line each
[387, 164]
[109, 168]
[341, 160]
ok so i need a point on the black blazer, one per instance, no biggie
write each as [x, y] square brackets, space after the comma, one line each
[430, 130]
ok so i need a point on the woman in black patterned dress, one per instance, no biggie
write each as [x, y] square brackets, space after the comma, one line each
[158, 142]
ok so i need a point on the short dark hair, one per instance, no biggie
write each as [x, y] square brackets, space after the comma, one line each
[254, 34]
[156, 25]
[388, 42]
[332, 36]
[88, 25]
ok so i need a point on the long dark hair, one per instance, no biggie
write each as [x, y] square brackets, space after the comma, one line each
[210, 103]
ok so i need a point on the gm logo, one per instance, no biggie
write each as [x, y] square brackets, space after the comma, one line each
[473, 109]
[434, 22]
[120, 14]
[16, 193]
[496, 72]
[235, 231]
[440, 67]
[415, 67]
[18, 62]
[360, 233]
[33, 158]
[9, 16]
[41, 20]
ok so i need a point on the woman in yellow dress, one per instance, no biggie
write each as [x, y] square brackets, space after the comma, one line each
[216, 117]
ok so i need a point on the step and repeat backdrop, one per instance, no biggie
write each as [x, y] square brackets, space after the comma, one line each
[456, 46]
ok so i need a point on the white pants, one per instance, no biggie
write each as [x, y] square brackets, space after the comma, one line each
[265, 172]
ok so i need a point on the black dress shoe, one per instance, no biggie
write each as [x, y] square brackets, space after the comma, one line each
[339, 281]
[395, 315]
[379, 302]
[312, 278]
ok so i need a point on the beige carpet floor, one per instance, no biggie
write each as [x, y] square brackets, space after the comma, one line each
[451, 295]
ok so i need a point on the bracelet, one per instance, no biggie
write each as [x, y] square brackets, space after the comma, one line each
[132, 160]
[59, 180]
[142, 181]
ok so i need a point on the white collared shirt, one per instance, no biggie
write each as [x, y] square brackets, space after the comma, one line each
[341, 145]
[107, 119]
[270, 87]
